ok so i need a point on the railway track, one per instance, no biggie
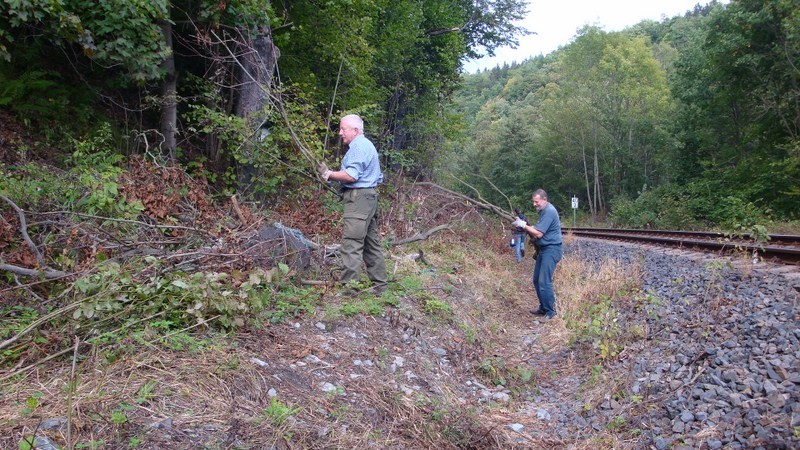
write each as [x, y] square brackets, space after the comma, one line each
[780, 248]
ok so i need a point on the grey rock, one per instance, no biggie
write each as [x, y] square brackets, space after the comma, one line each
[517, 427]
[162, 424]
[327, 387]
[55, 423]
[501, 397]
[43, 443]
[268, 246]
[776, 400]
[725, 366]
[259, 362]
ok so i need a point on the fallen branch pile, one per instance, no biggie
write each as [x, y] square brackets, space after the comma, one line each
[76, 264]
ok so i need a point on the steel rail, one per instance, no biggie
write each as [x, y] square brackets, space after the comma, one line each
[688, 240]
[789, 239]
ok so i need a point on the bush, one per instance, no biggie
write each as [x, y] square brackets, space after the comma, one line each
[664, 207]
[737, 214]
[91, 186]
[33, 186]
[42, 97]
[600, 328]
[691, 206]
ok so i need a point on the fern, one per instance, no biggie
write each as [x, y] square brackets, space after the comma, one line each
[28, 90]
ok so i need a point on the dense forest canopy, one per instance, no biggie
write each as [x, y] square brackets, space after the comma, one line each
[687, 122]
[690, 121]
[199, 79]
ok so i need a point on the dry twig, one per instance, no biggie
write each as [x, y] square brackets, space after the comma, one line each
[23, 228]
[482, 204]
[421, 236]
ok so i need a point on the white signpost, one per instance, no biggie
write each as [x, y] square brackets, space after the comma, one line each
[574, 208]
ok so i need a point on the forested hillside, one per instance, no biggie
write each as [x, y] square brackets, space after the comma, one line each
[245, 87]
[688, 122]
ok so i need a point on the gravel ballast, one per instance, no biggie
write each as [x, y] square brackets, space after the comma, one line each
[720, 365]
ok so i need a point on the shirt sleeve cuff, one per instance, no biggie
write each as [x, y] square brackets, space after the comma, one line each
[352, 172]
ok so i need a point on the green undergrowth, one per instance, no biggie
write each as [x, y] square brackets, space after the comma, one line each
[597, 325]
[367, 304]
[602, 324]
[121, 300]
[88, 184]
[468, 293]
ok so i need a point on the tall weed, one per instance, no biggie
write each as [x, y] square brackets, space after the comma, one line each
[96, 163]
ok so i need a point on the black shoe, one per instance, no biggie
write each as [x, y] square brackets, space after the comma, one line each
[549, 315]
[379, 289]
[538, 312]
[348, 292]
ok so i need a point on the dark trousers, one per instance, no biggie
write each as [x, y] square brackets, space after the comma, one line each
[361, 240]
[549, 256]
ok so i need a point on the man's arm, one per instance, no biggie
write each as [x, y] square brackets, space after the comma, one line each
[530, 229]
[338, 175]
[341, 175]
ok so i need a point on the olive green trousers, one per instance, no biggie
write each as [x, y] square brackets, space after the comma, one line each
[360, 240]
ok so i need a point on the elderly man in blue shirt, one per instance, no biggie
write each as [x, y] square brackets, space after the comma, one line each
[547, 235]
[359, 176]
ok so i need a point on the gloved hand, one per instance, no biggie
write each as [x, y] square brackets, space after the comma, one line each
[519, 223]
[323, 170]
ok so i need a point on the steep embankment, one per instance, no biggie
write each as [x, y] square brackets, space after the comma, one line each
[649, 349]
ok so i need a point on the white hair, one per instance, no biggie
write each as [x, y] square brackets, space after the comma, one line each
[354, 121]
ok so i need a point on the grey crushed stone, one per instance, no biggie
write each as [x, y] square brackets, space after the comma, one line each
[720, 366]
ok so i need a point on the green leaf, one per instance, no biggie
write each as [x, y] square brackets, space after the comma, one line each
[26, 443]
[180, 284]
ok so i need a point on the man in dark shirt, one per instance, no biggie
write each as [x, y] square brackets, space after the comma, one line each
[547, 235]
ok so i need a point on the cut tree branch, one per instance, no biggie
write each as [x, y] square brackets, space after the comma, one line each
[482, 204]
[421, 236]
[23, 228]
[46, 272]
[137, 222]
[498, 190]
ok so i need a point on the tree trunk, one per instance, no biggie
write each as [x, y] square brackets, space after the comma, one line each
[256, 67]
[586, 182]
[598, 193]
[255, 76]
[169, 107]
